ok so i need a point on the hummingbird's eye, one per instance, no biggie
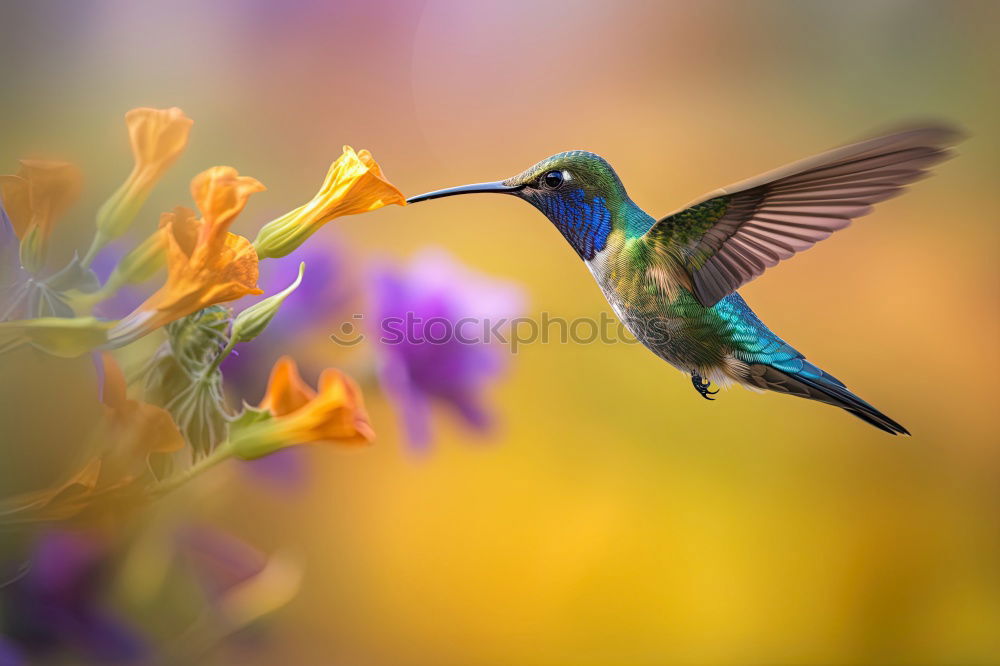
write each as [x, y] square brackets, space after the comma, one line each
[553, 179]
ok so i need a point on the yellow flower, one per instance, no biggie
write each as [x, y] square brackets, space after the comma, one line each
[354, 184]
[35, 197]
[158, 137]
[335, 413]
[206, 264]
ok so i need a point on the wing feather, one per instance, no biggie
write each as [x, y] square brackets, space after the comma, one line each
[732, 235]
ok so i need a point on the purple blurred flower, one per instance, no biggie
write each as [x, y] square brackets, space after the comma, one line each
[9, 654]
[283, 470]
[240, 583]
[425, 354]
[56, 605]
[219, 561]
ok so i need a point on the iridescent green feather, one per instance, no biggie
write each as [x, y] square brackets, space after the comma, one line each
[684, 229]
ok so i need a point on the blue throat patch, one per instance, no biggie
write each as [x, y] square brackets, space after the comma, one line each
[585, 224]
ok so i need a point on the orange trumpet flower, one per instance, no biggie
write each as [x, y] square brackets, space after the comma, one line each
[354, 184]
[300, 415]
[206, 264]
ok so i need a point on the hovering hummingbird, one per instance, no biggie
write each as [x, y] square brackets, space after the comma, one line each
[673, 281]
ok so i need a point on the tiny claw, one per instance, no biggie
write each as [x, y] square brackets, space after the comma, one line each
[701, 386]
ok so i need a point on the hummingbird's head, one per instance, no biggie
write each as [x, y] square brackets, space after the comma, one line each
[578, 191]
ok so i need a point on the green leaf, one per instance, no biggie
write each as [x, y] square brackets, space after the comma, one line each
[248, 417]
[251, 322]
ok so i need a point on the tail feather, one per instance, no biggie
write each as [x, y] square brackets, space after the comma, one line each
[822, 387]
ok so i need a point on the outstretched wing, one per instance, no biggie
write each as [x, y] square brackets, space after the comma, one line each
[732, 235]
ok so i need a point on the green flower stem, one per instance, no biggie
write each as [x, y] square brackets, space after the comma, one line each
[95, 247]
[84, 302]
[222, 452]
[106, 291]
[222, 356]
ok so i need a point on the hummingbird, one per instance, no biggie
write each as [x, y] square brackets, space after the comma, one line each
[673, 281]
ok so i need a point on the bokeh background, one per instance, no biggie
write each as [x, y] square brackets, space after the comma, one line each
[610, 515]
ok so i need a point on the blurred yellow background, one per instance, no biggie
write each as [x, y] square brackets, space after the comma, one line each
[614, 517]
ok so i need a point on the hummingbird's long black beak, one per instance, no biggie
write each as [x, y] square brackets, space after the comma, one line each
[497, 187]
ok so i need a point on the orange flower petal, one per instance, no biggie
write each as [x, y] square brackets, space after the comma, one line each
[133, 429]
[286, 390]
[335, 414]
[55, 186]
[130, 431]
[237, 266]
[182, 224]
[39, 193]
[158, 137]
[57, 502]
[221, 194]
[113, 394]
[206, 264]
[17, 203]
[342, 393]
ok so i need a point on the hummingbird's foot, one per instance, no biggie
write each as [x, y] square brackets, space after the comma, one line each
[701, 386]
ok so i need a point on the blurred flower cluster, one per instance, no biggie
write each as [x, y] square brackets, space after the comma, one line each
[85, 598]
[178, 422]
[168, 419]
[171, 357]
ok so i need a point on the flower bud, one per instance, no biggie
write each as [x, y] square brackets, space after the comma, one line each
[33, 250]
[141, 263]
[252, 321]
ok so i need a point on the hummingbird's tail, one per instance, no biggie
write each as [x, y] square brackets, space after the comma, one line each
[815, 384]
